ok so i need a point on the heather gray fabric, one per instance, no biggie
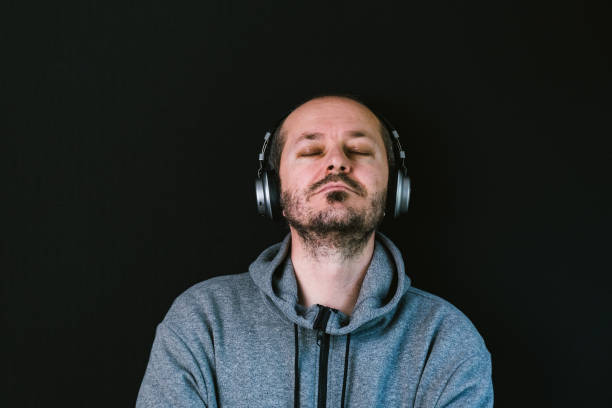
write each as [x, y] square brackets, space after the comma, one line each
[229, 342]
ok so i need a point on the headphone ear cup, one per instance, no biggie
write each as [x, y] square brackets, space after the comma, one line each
[261, 194]
[391, 192]
[402, 194]
[267, 195]
[274, 195]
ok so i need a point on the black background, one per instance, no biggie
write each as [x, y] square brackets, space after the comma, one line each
[129, 144]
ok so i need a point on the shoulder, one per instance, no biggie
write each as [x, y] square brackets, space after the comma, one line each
[217, 289]
[209, 300]
[456, 362]
[448, 329]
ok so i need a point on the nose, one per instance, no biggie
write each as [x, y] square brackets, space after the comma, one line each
[338, 162]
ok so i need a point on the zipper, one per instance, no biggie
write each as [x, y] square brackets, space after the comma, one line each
[323, 341]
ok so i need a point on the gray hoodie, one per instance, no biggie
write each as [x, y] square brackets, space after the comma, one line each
[245, 341]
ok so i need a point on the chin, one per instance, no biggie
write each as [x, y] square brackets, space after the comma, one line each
[336, 212]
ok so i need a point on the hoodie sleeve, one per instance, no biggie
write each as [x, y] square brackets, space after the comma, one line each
[470, 385]
[174, 377]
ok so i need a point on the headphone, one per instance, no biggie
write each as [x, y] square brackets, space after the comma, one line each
[267, 183]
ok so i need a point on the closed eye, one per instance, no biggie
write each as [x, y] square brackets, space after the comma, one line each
[308, 153]
[360, 152]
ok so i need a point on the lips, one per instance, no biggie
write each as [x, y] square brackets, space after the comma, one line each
[334, 186]
[337, 182]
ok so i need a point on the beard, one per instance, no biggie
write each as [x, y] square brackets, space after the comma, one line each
[332, 230]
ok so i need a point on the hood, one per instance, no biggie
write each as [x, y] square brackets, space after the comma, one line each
[382, 288]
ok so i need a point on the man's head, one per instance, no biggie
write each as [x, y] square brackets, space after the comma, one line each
[333, 170]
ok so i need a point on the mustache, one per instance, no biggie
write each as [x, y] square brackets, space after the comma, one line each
[331, 178]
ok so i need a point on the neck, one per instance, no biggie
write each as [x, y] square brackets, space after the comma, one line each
[330, 275]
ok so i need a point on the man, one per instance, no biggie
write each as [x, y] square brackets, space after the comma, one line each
[327, 318]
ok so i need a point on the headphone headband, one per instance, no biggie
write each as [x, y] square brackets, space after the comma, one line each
[262, 154]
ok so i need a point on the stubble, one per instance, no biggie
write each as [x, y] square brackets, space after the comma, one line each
[343, 231]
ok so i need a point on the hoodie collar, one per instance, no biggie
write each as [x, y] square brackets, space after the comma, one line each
[383, 286]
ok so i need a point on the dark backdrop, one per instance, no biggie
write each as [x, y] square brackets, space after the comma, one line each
[129, 144]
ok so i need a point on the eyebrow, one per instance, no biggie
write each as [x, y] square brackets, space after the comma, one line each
[308, 136]
[358, 133]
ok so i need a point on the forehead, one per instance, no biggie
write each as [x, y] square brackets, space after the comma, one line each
[330, 115]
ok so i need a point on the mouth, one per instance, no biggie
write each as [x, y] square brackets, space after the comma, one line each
[337, 183]
[334, 187]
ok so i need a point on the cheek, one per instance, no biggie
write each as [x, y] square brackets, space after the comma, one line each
[302, 176]
[294, 180]
[384, 176]
[376, 178]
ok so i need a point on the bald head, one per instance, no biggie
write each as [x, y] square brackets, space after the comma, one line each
[329, 110]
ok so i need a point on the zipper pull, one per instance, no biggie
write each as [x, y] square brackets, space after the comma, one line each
[321, 321]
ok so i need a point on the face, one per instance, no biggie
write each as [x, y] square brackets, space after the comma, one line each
[333, 167]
